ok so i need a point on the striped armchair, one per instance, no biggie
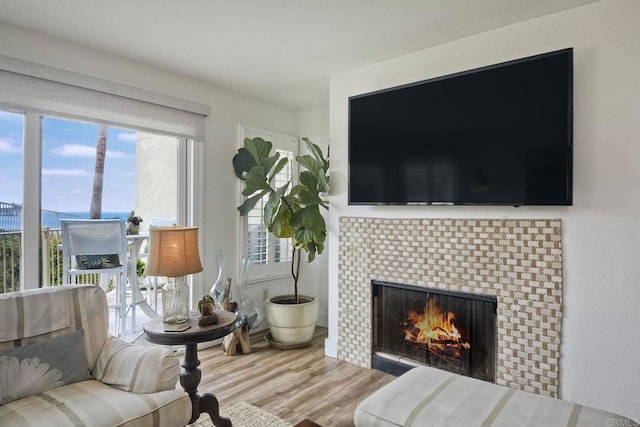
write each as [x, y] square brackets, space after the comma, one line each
[59, 366]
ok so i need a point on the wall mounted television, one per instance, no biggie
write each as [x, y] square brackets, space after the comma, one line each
[496, 135]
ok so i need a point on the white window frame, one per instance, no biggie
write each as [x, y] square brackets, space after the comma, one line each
[40, 90]
[189, 192]
[270, 270]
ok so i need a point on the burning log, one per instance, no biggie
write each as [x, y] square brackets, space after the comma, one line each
[435, 330]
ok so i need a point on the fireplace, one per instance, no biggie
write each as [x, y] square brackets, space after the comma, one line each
[454, 331]
[518, 261]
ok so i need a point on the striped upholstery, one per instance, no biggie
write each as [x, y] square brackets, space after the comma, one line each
[92, 403]
[427, 396]
[134, 386]
[134, 368]
[40, 314]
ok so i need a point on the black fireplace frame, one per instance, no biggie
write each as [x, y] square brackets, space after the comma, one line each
[397, 365]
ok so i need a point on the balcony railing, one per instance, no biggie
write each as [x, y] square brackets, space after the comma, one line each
[51, 260]
[9, 261]
[51, 254]
[11, 217]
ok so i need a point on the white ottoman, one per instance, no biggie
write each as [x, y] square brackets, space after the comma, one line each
[430, 397]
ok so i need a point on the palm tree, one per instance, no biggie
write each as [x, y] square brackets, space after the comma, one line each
[95, 212]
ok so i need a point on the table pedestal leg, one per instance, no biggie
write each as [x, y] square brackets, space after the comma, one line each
[190, 377]
[209, 404]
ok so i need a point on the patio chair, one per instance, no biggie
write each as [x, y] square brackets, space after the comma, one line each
[97, 246]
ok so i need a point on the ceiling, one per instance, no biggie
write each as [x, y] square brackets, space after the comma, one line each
[283, 51]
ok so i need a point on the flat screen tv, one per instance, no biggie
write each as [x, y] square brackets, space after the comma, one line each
[497, 135]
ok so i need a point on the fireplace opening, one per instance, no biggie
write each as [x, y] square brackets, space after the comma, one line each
[449, 330]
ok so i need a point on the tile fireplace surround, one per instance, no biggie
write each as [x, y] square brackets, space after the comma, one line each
[519, 261]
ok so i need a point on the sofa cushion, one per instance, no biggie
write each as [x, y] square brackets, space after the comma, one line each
[42, 366]
[91, 403]
[42, 311]
[96, 262]
[48, 313]
[135, 368]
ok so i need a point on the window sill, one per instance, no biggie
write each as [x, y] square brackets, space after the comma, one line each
[267, 278]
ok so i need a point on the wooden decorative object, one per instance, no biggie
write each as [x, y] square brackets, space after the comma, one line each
[227, 304]
[205, 307]
[238, 340]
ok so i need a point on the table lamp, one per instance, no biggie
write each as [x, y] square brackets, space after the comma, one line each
[173, 252]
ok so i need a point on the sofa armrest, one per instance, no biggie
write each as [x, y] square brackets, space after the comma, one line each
[136, 368]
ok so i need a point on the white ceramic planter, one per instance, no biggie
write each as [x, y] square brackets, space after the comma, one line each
[292, 323]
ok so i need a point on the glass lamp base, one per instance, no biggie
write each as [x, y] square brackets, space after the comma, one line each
[175, 301]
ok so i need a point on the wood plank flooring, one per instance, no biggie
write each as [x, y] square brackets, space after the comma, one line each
[292, 384]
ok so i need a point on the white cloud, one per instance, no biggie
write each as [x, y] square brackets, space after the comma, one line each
[74, 150]
[7, 146]
[65, 172]
[78, 150]
[126, 136]
[117, 155]
[7, 116]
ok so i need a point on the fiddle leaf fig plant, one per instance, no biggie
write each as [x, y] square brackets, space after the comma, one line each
[291, 211]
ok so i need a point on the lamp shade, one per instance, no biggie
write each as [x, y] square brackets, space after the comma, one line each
[173, 251]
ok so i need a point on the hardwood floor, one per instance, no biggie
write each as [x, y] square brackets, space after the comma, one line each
[292, 384]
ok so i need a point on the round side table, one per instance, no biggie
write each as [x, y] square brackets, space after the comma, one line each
[190, 375]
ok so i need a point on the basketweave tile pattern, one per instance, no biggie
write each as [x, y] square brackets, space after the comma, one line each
[517, 260]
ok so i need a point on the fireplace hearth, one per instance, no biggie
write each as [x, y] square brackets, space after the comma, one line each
[449, 330]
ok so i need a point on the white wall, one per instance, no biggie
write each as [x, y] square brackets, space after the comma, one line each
[156, 177]
[601, 339]
[229, 110]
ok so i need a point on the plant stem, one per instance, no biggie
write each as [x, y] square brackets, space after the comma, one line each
[295, 271]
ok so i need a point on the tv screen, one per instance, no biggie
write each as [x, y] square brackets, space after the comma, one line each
[497, 135]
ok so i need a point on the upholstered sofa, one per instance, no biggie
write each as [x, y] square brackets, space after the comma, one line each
[425, 396]
[60, 367]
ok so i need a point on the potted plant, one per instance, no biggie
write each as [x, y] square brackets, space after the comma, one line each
[291, 211]
[133, 223]
[141, 266]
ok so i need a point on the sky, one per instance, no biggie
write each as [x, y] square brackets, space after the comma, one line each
[68, 163]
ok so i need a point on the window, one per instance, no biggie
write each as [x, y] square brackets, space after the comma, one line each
[270, 256]
[36, 89]
[11, 172]
[140, 173]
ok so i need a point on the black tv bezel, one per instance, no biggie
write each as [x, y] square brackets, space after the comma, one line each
[569, 168]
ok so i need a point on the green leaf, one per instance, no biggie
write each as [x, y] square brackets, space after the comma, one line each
[272, 205]
[315, 151]
[255, 180]
[254, 153]
[243, 162]
[250, 203]
[281, 226]
[259, 148]
[309, 198]
[281, 164]
[309, 162]
[310, 181]
[267, 163]
[318, 169]
[309, 230]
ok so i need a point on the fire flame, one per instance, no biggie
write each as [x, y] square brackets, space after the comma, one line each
[435, 329]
